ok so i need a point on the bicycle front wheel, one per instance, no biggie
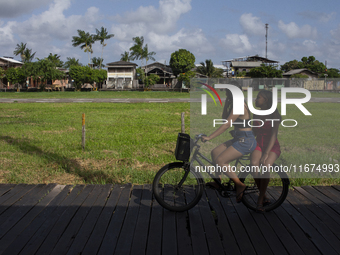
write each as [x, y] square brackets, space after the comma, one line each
[177, 187]
[277, 189]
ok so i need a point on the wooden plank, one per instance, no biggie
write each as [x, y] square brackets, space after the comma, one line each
[4, 188]
[13, 196]
[21, 224]
[308, 230]
[267, 230]
[329, 192]
[24, 207]
[126, 235]
[321, 196]
[184, 246]
[142, 227]
[258, 240]
[66, 240]
[18, 208]
[63, 221]
[16, 242]
[86, 229]
[93, 244]
[282, 233]
[321, 210]
[169, 237]
[224, 229]
[198, 240]
[154, 243]
[212, 236]
[45, 223]
[114, 228]
[300, 203]
[241, 236]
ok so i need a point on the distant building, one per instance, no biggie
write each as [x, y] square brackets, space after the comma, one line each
[167, 78]
[304, 71]
[245, 64]
[7, 62]
[121, 75]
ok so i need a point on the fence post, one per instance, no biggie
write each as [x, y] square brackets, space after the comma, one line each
[182, 123]
[83, 132]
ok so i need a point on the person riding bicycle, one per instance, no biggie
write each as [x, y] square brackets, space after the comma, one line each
[268, 148]
[243, 142]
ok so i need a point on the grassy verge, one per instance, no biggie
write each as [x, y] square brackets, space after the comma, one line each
[130, 142]
[137, 94]
[96, 94]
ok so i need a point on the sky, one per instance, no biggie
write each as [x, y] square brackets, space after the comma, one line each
[216, 29]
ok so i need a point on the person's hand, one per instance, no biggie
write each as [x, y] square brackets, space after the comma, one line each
[205, 139]
[263, 159]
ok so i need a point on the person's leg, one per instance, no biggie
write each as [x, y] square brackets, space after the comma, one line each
[265, 178]
[223, 161]
[214, 154]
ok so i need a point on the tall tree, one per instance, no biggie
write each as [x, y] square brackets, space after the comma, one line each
[182, 61]
[28, 55]
[71, 62]
[102, 35]
[147, 55]
[137, 48]
[310, 63]
[125, 57]
[85, 41]
[20, 49]
[97, 62]
[206, 68]
[55, 59]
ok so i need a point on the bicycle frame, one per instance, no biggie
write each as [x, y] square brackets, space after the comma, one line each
[197, 156]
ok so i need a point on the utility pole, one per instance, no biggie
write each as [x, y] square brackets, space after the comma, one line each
[266, 37]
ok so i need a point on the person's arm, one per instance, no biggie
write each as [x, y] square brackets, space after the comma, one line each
[222, 128]
[272, 140]
[255, 129]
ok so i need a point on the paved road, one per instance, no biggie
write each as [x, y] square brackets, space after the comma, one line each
[128, 100]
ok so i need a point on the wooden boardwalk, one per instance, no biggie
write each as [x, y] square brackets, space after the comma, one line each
[106, 219]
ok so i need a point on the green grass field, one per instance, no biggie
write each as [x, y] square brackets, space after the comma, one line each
[41, 143]
[96, 94]
[133, 94]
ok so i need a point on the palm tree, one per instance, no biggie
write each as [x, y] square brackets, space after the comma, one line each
[71, 62]
[147, 55]
[125, 56]
[55, 59]
[28, 56]
[137, 48]
[85, 41]
[20, 50]
[102, 35]
[97, 62]
[206, 68]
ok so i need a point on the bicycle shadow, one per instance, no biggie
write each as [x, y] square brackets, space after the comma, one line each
[70, 166]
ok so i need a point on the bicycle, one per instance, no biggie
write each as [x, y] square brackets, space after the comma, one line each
[178, 186]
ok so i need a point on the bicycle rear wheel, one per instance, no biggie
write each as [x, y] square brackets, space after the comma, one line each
[177, 188]
[277, 189]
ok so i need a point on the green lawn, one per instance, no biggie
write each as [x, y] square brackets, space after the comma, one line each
[96, 94]
[41, 143]
[134, 94]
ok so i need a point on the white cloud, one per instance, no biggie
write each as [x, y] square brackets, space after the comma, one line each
[14, 8]
[237, 43]
[160, 21]
[252, 25]
[6, 33]
[292, 30]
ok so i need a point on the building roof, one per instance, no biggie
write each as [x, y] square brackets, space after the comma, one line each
[11, 60]
[297, 71]
[121, 63]
[245, 64]
[254, 58]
